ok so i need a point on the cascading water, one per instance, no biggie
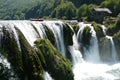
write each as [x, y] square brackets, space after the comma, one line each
[89, 71]
[93, 50]
[28, 30]
[31, 31]
[57, 28]
[83, 70]
[5, 70]
[47, 76]
[74, 50]
[5, 67]
[113, 50]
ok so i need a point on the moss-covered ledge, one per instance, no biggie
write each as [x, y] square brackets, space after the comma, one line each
[59, 67]
[32, 65]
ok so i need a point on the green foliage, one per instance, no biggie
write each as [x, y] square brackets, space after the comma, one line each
[82, 11]
[16, 9]
[78, 3]
[117, 35]
[59, 67]
[115, 27]
[113, 5]
[85, 12]
[62, 9]
[65, 11]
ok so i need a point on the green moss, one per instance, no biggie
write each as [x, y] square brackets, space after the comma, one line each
[113, 29]
[98, 30]
[12, 52]
[31, 62]
[75, 28]
[59, 67]
[68, 33]
[49, 34]
[86, 36]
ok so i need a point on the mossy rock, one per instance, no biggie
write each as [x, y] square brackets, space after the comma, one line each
[31, 60]
[5, 72]
[86, 36]
[49, 34]
[117, 35]
[11, 51]
[59, 67]
[68, 34]
[75, 28]
[113, 29]
[99, 31]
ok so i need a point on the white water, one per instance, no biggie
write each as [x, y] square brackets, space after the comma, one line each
[82, 70]
[113, 50]
[47, 76]
[28, 31]
[33, 30]
[4, 61]
[40, 29]
[93, 71]
[57, 28]
[89, 71]
[92, 55]
[74, 50]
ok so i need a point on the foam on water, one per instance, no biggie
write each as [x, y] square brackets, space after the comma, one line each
[88, 71]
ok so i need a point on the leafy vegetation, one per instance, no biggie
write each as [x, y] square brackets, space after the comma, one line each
[65, 10]
[60, 9]
[115, 27]
[113, 5]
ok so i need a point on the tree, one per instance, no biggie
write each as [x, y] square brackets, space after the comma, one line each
[85, 11]
[113, 5]
[65, 10]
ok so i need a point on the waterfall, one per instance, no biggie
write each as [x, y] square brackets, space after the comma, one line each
[74, 50]
[113, 50]
[6, 70]
[28, 30]
[40, 29]
[32, 30]
[92, 55]
[57, 28]
[47, 76]
[89, 68]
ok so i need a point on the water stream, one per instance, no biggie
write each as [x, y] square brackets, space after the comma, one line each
[90, 68]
